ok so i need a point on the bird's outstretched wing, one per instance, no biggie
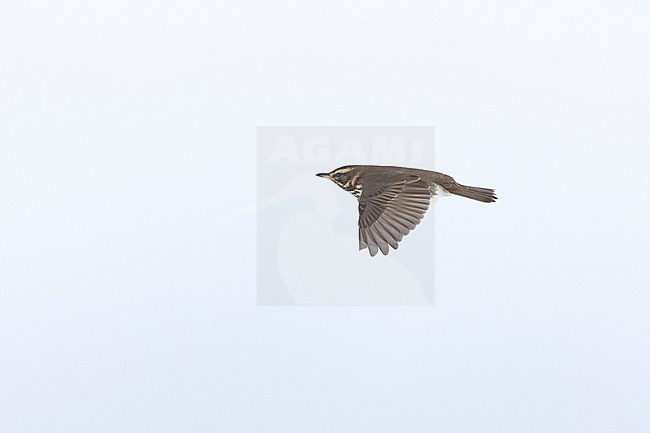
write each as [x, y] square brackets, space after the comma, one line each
[390, 212]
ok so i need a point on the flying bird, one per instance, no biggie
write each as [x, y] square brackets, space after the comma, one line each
[393, 200]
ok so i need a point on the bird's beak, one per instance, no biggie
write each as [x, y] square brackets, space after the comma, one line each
[327, 175]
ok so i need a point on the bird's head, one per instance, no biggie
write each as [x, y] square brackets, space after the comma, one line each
[347, 177]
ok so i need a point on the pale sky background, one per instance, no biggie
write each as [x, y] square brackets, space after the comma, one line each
[127, 287]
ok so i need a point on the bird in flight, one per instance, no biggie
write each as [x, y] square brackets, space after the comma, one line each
[393, 200]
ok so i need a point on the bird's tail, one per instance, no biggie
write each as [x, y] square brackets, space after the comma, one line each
[486, 195]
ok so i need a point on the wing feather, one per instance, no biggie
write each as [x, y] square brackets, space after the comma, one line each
[390, 213]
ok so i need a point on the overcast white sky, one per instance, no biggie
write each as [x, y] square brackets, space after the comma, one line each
[127, 217]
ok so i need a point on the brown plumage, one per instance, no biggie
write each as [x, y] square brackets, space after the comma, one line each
[393, 200]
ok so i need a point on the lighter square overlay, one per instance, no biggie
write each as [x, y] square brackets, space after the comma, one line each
[307, 232]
